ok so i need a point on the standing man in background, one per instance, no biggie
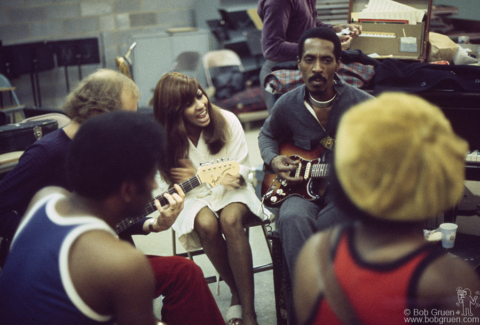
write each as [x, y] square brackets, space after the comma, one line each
[284, 21]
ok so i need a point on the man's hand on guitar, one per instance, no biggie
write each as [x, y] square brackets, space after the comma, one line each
[282, 166]
[232, 182]
[169, 212]
[181, 174]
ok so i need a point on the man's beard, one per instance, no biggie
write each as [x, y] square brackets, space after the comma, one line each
[318, 92]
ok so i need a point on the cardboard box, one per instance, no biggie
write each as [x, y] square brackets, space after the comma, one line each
[396, 42]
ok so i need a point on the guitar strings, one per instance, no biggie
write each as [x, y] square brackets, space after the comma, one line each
[150, 208]
[190, 184]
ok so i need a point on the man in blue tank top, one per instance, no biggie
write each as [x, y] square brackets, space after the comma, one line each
[179, 280]
[66, 265]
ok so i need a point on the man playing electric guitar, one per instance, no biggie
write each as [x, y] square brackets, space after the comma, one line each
[307, 117]
[311, 167]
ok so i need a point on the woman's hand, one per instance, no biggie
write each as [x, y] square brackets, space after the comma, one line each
[232, 182]
[181, 174]
[169, 212]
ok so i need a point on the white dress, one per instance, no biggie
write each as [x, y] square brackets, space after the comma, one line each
[218, 197]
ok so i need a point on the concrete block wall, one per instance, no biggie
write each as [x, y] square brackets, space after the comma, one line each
[467, 9]
[112, 21]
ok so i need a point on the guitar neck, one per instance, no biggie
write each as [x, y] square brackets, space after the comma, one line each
[186, 186]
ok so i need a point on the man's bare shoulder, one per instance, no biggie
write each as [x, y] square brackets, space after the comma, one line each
[43, 193]
[308, 286]
[47, 191]
[105, 253]
[112, 277]
[439, 282]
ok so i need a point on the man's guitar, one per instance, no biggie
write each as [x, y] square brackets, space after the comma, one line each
[208, 173]
[276, 190]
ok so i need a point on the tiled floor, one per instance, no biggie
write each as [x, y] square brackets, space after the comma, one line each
[161, 244]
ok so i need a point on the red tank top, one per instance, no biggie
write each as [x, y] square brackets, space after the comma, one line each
[379, 293]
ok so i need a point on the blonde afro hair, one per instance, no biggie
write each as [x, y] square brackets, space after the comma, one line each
[397, 158]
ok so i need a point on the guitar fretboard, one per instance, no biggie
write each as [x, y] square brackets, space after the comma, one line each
[186, 186]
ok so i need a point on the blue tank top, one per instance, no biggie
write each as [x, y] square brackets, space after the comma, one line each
[35, 283]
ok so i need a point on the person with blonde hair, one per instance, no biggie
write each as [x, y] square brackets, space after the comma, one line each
[397, 163]
[198, 132]
[42, 163]
[66, 264]
[179, 280]
[103, 91]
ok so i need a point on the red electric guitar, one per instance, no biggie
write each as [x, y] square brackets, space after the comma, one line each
[313, 170]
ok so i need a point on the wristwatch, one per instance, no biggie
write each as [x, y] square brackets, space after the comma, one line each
[150, 224]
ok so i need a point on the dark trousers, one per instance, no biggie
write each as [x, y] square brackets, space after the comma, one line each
[298, 220]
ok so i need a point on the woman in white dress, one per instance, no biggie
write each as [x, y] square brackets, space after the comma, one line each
[199, 132]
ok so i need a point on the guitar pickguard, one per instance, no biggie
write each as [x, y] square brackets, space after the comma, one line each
[280, 189]
[276, 190]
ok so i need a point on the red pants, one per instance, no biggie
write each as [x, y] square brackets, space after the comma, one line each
[187, 297]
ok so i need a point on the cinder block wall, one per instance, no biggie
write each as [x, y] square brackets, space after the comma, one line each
[112, 21]
[467, 9]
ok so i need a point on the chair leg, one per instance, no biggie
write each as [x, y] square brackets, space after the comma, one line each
[265, 234]
[174, 247]
[279, 279]
[174, 243]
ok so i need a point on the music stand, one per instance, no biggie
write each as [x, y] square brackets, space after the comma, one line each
[218, 29]
[76, 52]
[30, 58]
[3, 67]
[236, 19]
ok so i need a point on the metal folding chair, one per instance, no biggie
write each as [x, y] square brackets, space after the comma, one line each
[15, 106]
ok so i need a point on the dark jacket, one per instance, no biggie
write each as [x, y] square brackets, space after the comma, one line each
[396, 75]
